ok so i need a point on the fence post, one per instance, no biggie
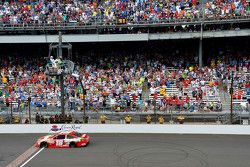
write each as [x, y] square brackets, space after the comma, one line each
[29, 100]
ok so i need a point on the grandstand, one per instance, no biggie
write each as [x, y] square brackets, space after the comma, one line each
[177, 58]
[80, 13]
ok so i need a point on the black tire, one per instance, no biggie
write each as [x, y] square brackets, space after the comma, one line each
[72, 145]
[43, 145]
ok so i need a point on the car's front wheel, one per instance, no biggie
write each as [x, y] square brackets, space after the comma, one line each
[43, 145]
[72, 145]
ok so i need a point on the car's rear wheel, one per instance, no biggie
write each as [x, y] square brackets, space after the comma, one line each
[72, 145]
[43, 145]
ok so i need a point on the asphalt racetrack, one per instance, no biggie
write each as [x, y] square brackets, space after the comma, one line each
[135, 150]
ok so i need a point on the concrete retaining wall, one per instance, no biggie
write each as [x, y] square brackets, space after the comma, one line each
[131, 128]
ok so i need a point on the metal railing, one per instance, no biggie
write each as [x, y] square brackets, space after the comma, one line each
[99, 24]
[113, 116]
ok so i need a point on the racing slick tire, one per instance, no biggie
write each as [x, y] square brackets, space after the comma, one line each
[43, 145]
[72, 145]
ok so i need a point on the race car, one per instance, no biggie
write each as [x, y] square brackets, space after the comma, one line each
[66, 139]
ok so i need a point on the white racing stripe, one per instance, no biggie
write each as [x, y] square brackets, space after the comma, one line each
[32, 157]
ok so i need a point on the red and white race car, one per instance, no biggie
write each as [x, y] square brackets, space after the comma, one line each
[66, 139]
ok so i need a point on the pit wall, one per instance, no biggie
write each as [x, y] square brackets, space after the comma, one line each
[128, 128]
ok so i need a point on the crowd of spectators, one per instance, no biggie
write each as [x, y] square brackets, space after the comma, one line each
[40, 119]
[124, 82]
[117, 11]
[226, 9]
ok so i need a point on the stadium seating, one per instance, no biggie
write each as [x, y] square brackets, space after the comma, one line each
[72, 12]
[121, 83]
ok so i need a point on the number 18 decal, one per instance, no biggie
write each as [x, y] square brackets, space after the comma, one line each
[59, 142]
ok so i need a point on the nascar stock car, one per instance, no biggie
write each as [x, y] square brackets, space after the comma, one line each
[66, 139]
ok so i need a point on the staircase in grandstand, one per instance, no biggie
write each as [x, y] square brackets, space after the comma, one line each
[145, 93]
[213, 98]
[225, 99]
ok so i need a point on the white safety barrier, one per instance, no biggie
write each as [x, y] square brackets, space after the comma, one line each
[128, 128]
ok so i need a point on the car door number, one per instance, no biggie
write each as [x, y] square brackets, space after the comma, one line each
[59, 142]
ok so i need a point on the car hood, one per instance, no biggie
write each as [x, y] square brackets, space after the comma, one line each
[84, 136]
[46, 137]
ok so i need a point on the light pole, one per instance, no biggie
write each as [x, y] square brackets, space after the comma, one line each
[59, 55]
[29, 100]
[79, 78]
[85, 118]
[171, 113]
[155, 110]
[248, 112]
[231, 93]
[11, 112]
[201, 36]
[62, 94]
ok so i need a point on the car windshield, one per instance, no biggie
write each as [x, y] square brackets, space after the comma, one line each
[78, 134]
[52, 135]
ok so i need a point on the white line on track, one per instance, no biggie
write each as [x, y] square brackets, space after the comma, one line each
[32, 157]
[21, 158]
